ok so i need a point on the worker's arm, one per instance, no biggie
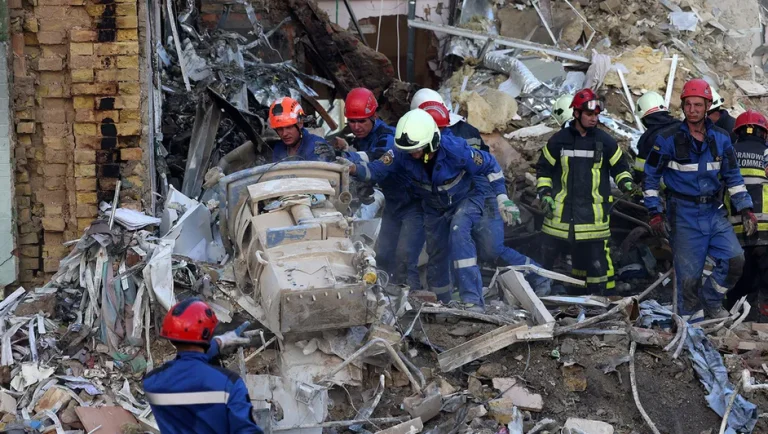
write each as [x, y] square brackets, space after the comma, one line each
[377, 170]
[239, 410]
[385, 143]
[323, 151]
[655, 164]
[546, 168]
[731, 174]
[481, 163]
[474, 139]
[618, 163]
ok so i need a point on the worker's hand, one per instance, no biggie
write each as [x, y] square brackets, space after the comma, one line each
[340, 144]
[626, 187]
[749, 220]
[547, 205]
[510, 213]
[344, 162]
[234, 337]
[658, 226]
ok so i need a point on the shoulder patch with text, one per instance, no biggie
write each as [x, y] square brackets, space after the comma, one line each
[477, 158]
[387, 158]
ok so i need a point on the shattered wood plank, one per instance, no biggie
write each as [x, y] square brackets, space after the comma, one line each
[481, 346]
[492, 319]
[516, 289]
[501, 40]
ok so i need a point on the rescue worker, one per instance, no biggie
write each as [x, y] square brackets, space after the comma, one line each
[442, 169]
[575, 192]
[720, 116]
[695, 160]
[456, 124]
[402, 221]
[751, 129]
[189, 395]
[562, 112]
[655, 117]
[286, 117]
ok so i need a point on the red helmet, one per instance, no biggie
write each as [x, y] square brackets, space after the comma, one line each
[586, 99]
[360, 104]
[697, 87]
[438, 111]
[753, 118]
[285, 112]
[190, 321]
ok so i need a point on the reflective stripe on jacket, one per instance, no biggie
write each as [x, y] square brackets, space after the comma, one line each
[751, 152]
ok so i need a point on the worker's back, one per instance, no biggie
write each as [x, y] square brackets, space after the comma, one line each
[189, 395]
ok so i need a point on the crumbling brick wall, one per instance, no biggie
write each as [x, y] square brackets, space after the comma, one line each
[77, 102]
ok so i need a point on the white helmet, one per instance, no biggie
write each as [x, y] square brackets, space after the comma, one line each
[417, 130]
[423, 95]
[562, 110]
[649, 103]
[717, 100]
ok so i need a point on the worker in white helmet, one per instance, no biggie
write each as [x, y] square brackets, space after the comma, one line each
[655, 117]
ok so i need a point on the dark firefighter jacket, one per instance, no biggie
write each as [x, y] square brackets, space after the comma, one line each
[654, 123]
[751, 153]
[576, 171]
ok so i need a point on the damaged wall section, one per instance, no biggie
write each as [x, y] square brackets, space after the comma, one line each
[77, 100]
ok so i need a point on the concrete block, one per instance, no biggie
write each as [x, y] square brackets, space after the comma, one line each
[589, 426]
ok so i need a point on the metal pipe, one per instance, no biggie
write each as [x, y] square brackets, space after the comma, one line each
[354, 22]
[410, 63]
[631, 219]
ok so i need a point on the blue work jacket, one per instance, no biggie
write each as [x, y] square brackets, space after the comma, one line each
[693, 170]
[468, 133]
[189, 395]
[451, 179]
[311, 148]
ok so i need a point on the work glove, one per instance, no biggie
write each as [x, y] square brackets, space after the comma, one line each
[547, 205]
[340, 144]
[510, 213]
[658, 226]
[749, 220]
[234, 337]
[626, 186]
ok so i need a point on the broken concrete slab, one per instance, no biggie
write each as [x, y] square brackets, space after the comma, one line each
[412, 426]
[53, 399]
[7, 403]
[105, 419]
[588, 426]
[517, 395]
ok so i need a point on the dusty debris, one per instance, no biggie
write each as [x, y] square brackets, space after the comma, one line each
[588, 426]
[516, 395]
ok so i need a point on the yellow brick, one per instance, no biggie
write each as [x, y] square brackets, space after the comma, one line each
[82, 75]
[83, 224]
[24, 140]
[127, 22]
[30, 25]
[85, 170]
[87, 211]
[25, 128]
[94, 89]
[81, 35]
[95, 10]
[129, 129]
[124, 62]
[137, 181]
[85, 184]
[83, 102]
[130, 154]
[127, 35]
[127, 102]
[108, 75]
[85, 129]
[85, 156]
[129, 88]
[117, 48]
[130, 115]
[127, 9]
[80, 48]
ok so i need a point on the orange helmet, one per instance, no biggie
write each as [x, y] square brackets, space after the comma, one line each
[190, 321]
[360, 104]
[285, 112]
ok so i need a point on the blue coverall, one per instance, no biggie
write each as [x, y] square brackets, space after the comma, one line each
[454, 210]
[311, 148]
[401, 236]
[189, 395]
[469, 133]
[693, 175]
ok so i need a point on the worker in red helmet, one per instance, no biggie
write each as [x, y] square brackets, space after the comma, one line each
[696, 159]
[189, 395]
[286, 117]
[402, 221]
[751, 129]
[574, 189]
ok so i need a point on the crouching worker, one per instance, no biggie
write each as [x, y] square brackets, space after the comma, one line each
[189, 395]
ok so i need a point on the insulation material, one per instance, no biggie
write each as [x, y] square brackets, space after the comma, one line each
[644, 68]
[489, 112]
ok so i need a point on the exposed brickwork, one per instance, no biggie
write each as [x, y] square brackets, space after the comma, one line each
[77, 104]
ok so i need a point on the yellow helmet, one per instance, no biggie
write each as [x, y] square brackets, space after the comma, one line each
[562, 110]
[649, 103]
[417, 130]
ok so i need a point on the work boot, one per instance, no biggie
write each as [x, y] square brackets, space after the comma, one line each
[716, 312]
[476, 308]
[541, 285]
